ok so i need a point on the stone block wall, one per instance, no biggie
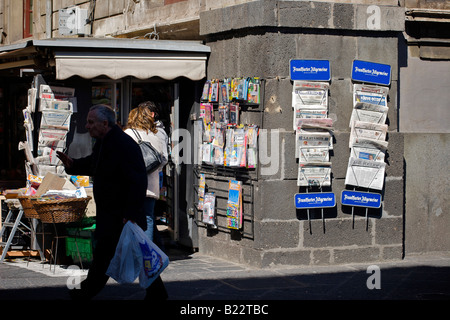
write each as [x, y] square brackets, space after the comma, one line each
[262, 45]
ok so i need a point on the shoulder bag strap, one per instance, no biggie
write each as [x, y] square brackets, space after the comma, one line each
[137, 135]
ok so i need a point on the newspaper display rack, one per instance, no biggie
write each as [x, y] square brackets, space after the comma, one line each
[313, 134]
[367, 143]
[51, 108]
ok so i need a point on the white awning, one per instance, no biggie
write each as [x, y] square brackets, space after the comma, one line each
[116, 65]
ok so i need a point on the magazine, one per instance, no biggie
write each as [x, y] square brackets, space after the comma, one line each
[214, 91]
[218, 137]
[234, 113]
[218, 155]
[209, 209]
[209, 112]
[201, 191]
[254, 91]
[234, 87]
[224, 116]
[207, 153]
[234, 204]
[205, 93]
[240, 147]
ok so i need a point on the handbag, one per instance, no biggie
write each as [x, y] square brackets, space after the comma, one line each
[152, 157]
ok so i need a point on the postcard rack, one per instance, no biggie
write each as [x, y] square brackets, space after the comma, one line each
[224, 189]
[217, 182]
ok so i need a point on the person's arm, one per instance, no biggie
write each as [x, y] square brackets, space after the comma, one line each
[80, 166]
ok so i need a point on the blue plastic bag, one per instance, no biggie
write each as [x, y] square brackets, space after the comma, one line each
[136, 256]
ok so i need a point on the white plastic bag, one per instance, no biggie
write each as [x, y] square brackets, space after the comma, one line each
[127, 261]
[154, 261]
[136, 255]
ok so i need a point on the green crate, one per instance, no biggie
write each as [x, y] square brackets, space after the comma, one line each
[84, 248]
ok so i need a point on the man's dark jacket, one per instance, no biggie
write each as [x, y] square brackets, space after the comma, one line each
[120, 181]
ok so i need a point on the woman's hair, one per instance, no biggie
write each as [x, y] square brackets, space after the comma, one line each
[141, 118]
[104, 112]
[153, 108]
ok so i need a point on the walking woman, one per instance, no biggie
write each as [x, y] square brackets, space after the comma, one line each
[141, 126]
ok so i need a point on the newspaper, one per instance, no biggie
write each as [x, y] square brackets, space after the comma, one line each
[314, 154]
[370, 94]
[312, 140]
[32, 100]
[27, 149]
[368, 112]
[374, 131]
[55, 120]
[309, 113]
[365, 173]
[50, 105]
[309, 100]
[48, 156]
[314, 174]
[52, 138]
[44, 169]
[52, 98]
[58, 93]
[310, 94]
[305, 125]
[368, 149]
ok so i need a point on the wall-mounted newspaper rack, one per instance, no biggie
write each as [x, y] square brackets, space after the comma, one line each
[313, 133]
[368, 145]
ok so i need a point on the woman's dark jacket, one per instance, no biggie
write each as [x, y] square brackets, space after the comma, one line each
[120, 181]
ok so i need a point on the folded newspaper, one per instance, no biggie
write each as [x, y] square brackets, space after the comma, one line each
[308, 124]
[314, 174]
[365, 173]
[312, 140]
[369, 112]
[309, 94]
[368, 149]
[374, 131]
[370, 94]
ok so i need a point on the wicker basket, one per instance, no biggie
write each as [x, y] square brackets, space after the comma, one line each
[27, 206]
[60, 211]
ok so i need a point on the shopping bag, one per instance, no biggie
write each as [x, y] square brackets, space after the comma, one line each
[136, 256]
[154, 260]
[126, 264]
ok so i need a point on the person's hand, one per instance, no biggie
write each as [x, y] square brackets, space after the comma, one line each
[66, 160]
